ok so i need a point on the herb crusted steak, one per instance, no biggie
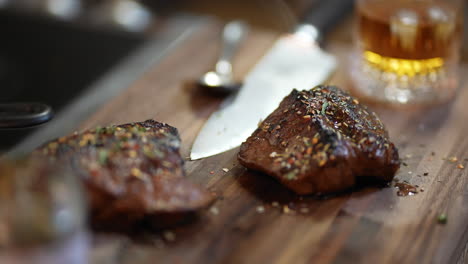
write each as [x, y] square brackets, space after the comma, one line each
[131, 172]
[320, 141]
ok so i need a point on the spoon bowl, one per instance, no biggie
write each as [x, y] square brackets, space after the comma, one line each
[219, 83]
[221, 79]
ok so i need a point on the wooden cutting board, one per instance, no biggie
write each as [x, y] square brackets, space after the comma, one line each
[256, 220]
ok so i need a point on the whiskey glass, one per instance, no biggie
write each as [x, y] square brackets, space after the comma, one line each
[42, 214]
[406, 51]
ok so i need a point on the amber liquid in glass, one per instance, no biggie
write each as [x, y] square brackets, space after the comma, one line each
[409, 43]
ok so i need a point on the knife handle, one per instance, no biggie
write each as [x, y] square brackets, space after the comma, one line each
[326, 14]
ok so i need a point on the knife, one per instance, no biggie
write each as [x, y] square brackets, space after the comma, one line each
[295, 61]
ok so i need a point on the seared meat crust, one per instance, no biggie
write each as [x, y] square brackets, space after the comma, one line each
[132, 172]
[319, 141]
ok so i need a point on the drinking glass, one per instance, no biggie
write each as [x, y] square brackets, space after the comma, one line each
[407, 51]
[42, 214]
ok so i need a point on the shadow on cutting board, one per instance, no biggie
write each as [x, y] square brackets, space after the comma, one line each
[271, 192]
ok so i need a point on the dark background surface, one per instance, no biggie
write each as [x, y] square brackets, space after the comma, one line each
[44, 59]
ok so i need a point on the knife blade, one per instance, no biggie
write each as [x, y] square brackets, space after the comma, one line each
[294, 61]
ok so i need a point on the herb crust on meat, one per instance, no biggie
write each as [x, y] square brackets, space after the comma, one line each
[132, 172]
[320, 141]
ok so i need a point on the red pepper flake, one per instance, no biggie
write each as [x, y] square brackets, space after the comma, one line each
[453, 159]
[94, 172]
[460, 166]
[211, 172]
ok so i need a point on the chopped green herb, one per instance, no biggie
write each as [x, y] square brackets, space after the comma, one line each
[120, 145]
[291, 175]
[148, 153]
[158, 153]
[442, 219]
[100, 130]
[138, 129]
[324, 107]
[111, 129]
[103, 156]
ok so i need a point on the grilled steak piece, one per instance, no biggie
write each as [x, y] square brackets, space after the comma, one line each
[320, 141]
[132, 172]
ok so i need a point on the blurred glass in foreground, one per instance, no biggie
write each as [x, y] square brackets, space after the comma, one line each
[42, 215]
[407, 51]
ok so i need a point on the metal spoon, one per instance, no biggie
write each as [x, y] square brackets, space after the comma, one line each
[19, 115]
[221, 79]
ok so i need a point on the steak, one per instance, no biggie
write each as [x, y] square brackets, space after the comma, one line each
[132, 172]
[321, 141]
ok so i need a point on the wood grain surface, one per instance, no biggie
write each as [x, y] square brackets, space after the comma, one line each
[256, 220]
